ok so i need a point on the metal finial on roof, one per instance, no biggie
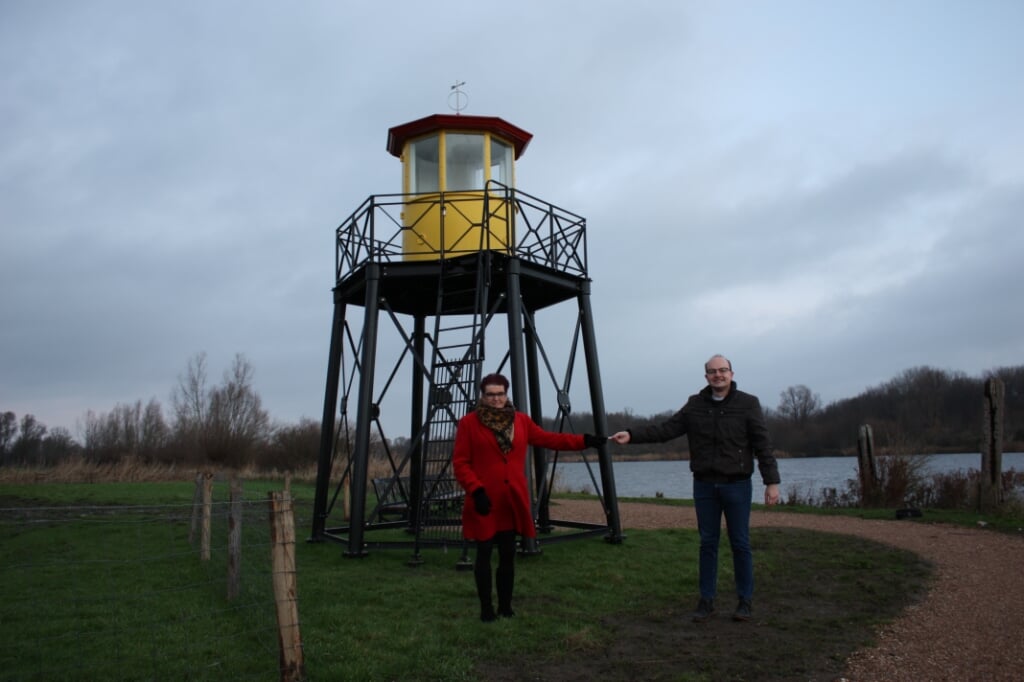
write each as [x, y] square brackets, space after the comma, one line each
[457, 99]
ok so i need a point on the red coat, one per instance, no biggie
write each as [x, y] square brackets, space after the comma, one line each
[479, 462]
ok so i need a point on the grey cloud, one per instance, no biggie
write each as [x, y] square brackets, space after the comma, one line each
[171, 176]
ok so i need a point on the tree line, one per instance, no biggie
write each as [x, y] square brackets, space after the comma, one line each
[223, 424]
[921, 410]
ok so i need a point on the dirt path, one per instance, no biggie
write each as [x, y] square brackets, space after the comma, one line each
[969, 627]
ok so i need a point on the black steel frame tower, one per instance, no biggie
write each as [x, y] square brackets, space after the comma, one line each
[514, 255]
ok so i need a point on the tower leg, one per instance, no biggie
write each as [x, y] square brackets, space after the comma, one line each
[416, 420]
[540, 455]
[611, 498]
[327, 425]
[364, 412]
[517, 362]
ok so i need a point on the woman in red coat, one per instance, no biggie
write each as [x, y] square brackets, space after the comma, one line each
[490, 465]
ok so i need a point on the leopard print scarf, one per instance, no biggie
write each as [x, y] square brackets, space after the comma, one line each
[500, 420]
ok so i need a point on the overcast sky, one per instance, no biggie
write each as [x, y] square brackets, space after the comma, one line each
[827, 192]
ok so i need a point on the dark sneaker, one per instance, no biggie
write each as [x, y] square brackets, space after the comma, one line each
[487, 614]
[705, 609]
[742, 611]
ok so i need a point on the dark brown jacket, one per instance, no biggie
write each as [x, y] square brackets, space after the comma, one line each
[724, 436]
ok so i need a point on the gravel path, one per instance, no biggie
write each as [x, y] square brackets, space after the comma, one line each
[969, 627]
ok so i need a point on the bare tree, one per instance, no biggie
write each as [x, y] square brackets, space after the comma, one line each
[58, 445]
[101, 441]
[128, 430]
[292, 446]
[189, 401]
[222, 423]
[236, 420]
[27, 446]
[153, 431]
[798, 404]
[8, 431]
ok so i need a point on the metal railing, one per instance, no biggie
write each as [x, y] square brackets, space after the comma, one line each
[499, 218]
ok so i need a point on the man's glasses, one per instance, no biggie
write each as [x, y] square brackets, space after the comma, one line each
[719, 370]
[494, 395]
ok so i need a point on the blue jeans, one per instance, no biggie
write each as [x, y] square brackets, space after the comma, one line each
[711, 500]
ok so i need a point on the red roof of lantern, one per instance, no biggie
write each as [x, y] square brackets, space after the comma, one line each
[398, 135]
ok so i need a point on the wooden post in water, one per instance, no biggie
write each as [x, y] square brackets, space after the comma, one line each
[282, 549]
[235, 539]
[867, 468]
[990, 489]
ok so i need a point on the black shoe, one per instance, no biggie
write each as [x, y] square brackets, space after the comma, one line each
[487, 614]
[742, 611]
[705, 609]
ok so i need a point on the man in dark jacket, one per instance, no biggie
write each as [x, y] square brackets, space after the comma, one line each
[726, 431]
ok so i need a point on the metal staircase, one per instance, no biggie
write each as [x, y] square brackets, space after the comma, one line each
[457, 358]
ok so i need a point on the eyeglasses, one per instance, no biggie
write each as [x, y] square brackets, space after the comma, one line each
[494, 395]
[718, 370]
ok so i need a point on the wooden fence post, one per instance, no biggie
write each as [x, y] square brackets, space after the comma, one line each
[990, 485]
[867, 467]
[204, 537]
[197, 508]
[235, 539]
[282, 549]
[346, 507]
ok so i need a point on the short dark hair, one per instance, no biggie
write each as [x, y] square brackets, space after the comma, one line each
[494, 380]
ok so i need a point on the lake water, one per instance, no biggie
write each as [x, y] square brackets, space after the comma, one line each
[807, 475]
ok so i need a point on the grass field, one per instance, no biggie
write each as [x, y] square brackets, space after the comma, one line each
[99, 581]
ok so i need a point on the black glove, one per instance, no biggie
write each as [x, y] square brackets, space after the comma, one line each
[592, 441]
[482, 502]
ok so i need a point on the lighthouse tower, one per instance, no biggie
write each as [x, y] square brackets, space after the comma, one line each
[434, 288]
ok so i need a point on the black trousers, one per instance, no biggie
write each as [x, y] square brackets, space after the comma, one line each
[505, 575]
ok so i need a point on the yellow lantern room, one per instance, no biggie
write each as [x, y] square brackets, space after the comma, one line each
[456, 174]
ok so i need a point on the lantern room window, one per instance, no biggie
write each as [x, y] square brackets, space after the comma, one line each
[464, 162]
[501, 162]
[424, 172]
[470, 160]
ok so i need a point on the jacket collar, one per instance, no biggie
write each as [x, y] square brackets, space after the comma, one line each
[705, 393]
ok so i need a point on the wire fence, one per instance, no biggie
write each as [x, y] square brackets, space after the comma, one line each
[128, 593]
